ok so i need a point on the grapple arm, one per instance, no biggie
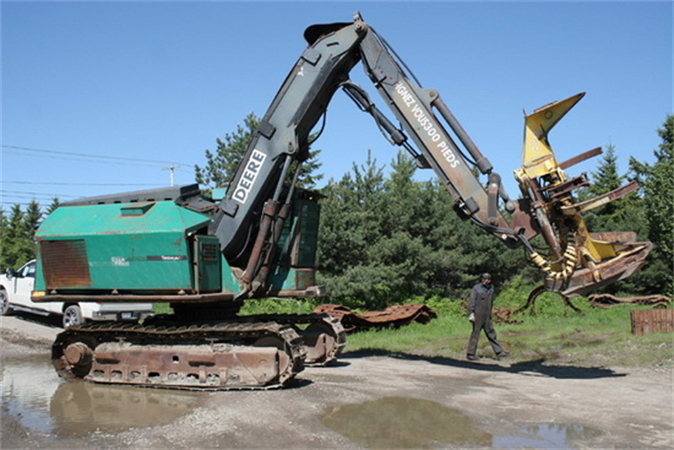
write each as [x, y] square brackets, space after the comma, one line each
[579, 261]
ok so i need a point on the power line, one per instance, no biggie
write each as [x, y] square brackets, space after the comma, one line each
[57, 183]
[88, 155]
[23, 198]
[20, 204]
[24, 193]
[66, 158]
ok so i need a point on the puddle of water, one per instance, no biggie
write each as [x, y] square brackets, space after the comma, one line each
[39, 400]
[398, 422]
[26, 389]
[548, 436]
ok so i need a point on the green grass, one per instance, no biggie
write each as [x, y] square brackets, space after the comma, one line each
[555, 334]
[162, 308]
[264, 306]
[594, 337]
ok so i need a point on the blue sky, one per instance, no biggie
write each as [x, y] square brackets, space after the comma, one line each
[156, 83]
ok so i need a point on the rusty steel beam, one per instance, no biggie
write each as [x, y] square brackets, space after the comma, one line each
[602, 199]
[580, 158]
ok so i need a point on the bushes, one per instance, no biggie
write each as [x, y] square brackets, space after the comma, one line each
[387, 238]
[278, 306]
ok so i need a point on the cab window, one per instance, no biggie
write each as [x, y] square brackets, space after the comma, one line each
[27, 271]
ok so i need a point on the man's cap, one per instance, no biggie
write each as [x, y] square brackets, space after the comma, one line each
[486, 276]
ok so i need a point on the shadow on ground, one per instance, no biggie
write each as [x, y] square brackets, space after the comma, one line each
[535, 367]
[51, 321]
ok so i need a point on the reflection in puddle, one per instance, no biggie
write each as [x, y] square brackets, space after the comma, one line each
[34, 395]
[27, 386]
[79, 408]
[397, 422]
[548, 435]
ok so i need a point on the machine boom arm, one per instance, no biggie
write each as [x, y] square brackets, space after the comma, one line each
[258, 197]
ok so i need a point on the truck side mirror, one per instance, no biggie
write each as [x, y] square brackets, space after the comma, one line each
[10, 273]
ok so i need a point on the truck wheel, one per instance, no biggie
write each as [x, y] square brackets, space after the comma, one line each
[72, 316]
[4, 303]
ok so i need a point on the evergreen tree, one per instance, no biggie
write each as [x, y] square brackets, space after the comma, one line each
[55, 203]
[657, 181]
[386, 240]
[14, 249]
[222, 164]
[625, 214]
[403, 248]
[404, 203]
[309, 176]
[468, 251]
[606, 178]
[33, 218]
[17, 235]
[4, 230]
[351, 222]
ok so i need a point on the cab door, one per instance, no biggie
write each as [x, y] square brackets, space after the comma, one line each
[22, 284]
[28, 285]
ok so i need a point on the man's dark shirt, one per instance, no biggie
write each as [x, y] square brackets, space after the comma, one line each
[481, 300]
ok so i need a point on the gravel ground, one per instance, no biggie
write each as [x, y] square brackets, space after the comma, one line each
[364, 401]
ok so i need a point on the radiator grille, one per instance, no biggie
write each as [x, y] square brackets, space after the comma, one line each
[65, 264]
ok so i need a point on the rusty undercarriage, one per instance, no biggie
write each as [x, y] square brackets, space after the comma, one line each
[256, 352]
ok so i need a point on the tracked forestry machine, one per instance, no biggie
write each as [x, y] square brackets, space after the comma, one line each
[206, 256]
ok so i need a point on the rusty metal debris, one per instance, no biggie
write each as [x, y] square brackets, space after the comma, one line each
[652, 320]
[504, 316]
[396, 315]
[608, 300]
[598, 300]
[498, 315]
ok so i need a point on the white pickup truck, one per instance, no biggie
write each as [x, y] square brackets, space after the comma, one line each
[16, 287]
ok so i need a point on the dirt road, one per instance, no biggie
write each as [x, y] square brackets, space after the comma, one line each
[365, 401]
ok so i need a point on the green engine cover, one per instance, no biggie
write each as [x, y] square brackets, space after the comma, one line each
[132, 247]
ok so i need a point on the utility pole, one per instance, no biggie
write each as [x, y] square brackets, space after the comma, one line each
[172, 169]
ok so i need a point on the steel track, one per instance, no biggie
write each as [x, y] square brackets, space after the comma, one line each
[239, 335]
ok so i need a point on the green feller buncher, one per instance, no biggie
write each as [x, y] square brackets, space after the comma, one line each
[206, 256]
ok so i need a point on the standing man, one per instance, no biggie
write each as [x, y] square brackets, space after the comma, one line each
[479, 313]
